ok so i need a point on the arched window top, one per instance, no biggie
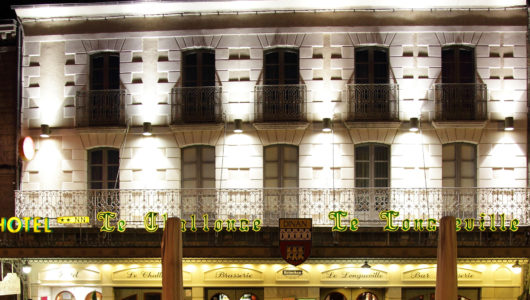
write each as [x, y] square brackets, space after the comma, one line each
[65, 295]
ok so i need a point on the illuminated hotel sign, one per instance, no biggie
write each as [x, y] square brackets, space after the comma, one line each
[484, 222]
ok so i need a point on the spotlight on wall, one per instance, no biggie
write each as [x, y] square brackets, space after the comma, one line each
[326, 125]
[45, 131]
[26, 268]
[508, 124]
[148, 130]
[414, 124]
[238, 125]
[366, 265]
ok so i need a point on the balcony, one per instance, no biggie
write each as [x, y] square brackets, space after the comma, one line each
[100, 108]
[277, 103]
[200, 104]
[460, 101]
[373, 102]
[269, 205]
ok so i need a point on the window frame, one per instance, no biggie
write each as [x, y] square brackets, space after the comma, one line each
[106, 69]
[199, 67]
[199, 178]
[457, 63]
[458, 164]
[371, 165]
[282, 66]
[370, 64]
[105, 181]
[281, 165]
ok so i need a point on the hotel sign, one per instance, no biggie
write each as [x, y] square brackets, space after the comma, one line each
[143, 274]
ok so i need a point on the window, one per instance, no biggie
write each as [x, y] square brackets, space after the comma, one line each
[461, 98]
[280, 168]
[371, 65]
[459, 177]
[103, 167]
[281, 66]
[372, 165]
[104, 103]
[281, 96]
[198, 167]
[372, 178]
[198, 68]
[459, 165]
[372, 97]
[65, 295]
[198, 95]
[280, 179]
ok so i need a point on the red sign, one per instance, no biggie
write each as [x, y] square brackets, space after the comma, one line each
[295, 240]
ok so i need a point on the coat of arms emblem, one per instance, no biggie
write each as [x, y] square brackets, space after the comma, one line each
[295, 239]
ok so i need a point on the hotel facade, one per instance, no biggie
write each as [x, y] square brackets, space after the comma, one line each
[235, 114]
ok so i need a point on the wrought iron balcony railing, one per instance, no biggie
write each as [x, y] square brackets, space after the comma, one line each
[100, 108]
[201, 104]
[269, 205]
[461, 101]
[373, 102]
[280, 102]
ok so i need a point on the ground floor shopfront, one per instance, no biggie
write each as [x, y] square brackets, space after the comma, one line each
[267, 279]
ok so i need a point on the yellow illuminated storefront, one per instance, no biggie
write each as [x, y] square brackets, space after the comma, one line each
[255, 279]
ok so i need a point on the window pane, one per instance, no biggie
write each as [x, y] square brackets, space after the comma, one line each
[448, 152]
[290, 183]
[208, 154]
[448, 169]
[467, 169]
[112, 173]
[272, 58]
[290, 170]
[96, 173]
[189, 154]
[208, 184]
[362, 169]
[448, 182]
[381, 153]
[208, 170]
[189, 184]
[271, 153]
[381, 170]
[113, 156]
[189, 171]
[467, 182]
[362, 182]
[290, 153]
[362, 153]
[467, 152]
[96, 185]
[271, 169]
[381, 183]
[271, 183]
[96, 157]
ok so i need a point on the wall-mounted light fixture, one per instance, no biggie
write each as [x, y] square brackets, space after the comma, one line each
[238, 125]
[147, 130]
[366, 265]
[26, 268]
[508, 124]
[517, 265]
[326, 125]
[45, 131]
[414, 124]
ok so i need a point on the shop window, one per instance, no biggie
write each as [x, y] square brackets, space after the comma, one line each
[65, 295]
[94, 295]
[367, 296]
[335, 296]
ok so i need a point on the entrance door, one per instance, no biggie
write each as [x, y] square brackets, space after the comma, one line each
[234, 294]
[352, 294]
[428, 294]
